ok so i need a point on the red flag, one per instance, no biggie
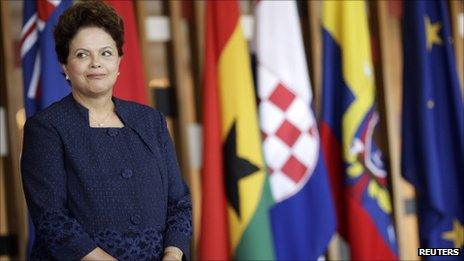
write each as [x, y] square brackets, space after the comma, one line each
[131, 81]
[214, 237]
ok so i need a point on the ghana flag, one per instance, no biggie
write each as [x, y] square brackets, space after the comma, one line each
[235, 189]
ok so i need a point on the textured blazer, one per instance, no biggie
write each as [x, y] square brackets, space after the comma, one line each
[116, 188]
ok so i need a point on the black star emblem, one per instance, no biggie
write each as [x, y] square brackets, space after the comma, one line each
[235, 168]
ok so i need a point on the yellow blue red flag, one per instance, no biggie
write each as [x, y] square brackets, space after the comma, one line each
[349, 117]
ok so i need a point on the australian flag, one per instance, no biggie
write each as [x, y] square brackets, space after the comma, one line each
[42, 74]
[433, 124]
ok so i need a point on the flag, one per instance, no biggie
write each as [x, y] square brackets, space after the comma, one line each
[235, 189]
[131, 81]
[303, 218]
[349, 117]
[42, 73]
[433, 124]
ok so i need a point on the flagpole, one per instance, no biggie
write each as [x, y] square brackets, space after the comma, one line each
[16, 213]
[141, 16]
[197, 51]
[315, 52]
[389, 39]
[188, 128]
[456, 8]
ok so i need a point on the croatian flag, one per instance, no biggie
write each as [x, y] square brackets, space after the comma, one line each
[42, 74]
[303, 219]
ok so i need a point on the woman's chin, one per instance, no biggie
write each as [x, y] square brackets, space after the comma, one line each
[97, 91]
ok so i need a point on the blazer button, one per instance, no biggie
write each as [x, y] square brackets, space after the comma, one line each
[136, 219]
[126, 173]
[112, 132]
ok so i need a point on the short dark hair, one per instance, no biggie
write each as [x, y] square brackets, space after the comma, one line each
[87, 14]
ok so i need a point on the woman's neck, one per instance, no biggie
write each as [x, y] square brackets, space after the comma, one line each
[96, 105]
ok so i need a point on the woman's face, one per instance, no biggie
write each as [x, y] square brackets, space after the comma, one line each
[93, 62]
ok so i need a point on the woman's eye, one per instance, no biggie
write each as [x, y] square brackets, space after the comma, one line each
[81, 55]
[107, 53]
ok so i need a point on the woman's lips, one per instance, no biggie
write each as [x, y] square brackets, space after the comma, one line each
[96, 76]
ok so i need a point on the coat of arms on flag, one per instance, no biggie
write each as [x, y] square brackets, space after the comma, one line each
[290, 136]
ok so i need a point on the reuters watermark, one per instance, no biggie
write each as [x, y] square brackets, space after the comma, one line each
[439, 251]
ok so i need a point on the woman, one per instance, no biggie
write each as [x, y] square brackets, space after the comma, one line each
[100, 174]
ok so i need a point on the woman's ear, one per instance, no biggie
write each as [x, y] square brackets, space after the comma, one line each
[65, 71]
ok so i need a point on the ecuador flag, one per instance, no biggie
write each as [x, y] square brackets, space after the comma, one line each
[349, 118]
[235, 188]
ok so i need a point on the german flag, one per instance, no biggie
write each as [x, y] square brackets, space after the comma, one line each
[235, 189]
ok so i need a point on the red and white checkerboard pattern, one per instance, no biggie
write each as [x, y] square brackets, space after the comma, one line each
[290, 136]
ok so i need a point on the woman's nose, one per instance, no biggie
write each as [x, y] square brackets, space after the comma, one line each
[95, 63]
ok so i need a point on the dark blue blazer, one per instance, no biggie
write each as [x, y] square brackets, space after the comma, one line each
[116, 188]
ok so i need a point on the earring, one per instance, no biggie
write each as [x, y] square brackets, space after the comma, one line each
[119, 73]
[67, 77]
